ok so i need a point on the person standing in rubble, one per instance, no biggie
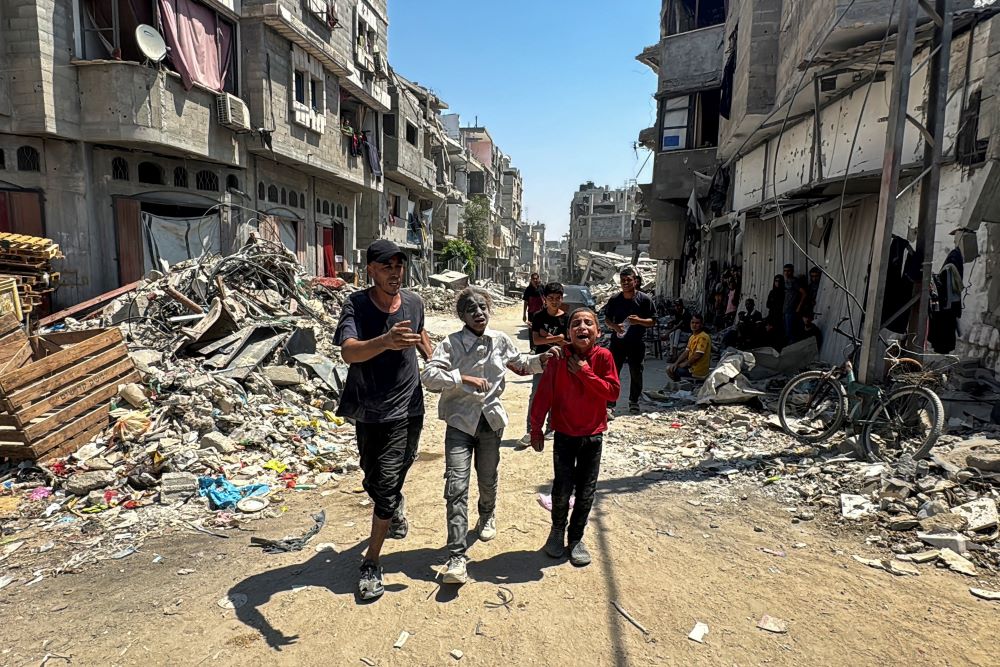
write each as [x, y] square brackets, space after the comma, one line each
[468, 369]
[795, 299]
[628, 314]
[534, 300]
[380, 331]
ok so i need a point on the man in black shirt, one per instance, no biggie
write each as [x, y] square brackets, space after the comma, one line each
[534, 298]
[628, 315]
[548, 329]
[379, 332]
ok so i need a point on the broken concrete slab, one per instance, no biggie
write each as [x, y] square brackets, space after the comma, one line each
[218, 441]
[920, 557]
[855, 507]
[772, 624]
[946, 522]
[954, 541]
[957, 563]
[984, 594]
[83, 483]
[980, 514]
[284, 376]
[177, 486]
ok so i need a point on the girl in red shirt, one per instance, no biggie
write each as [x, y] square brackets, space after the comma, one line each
[576, 390]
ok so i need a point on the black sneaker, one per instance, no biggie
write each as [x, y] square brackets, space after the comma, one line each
[578, 554]
[633, 408]
[370, 582]
[399, 527]
[555, 546]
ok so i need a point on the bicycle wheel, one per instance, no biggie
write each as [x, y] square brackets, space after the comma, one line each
[906, 423]
[812, 406]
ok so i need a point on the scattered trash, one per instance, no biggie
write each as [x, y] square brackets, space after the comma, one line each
[545, 500]
[698, 632]
[772, 624]
[629, 618]
[325, 546]
[455, 653]
[232, 601]
[184, 571]
[403, 636]
[855, 507]
[252, 504]
[290, 543]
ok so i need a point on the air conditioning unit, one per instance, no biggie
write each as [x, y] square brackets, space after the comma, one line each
[233, 113]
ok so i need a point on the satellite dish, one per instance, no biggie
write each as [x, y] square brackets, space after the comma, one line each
[151, 43]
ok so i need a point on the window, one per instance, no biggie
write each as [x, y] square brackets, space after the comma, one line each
[411, 133]
[389, 124]
[300, 87]
[969, 148]
[272, 194]
[3, 164]
[207, 181]
[302, 200]
[284, 196]
[232, 182]
[318, 205]
[394, 202]
[29, 160]
[180, 177]
[150, 173]
[119, 168]
[686, 15]
[675, 124]
[309, 91]
[293, 199]
[261, 191]
[326, 207]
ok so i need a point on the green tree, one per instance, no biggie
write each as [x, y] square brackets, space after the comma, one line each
[477, 231]
[457, 248]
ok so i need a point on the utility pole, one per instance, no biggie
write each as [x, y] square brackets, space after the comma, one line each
[940, 52]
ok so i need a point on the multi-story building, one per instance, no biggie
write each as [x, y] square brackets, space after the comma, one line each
[603, 219]
[531, 253]
[134, 152]
[411, 202]
[553, 265]
[806, 87]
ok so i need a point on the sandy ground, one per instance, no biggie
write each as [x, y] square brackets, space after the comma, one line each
[301, 608]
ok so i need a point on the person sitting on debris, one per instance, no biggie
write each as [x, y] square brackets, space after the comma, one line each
[696, 359]
[379, 332]
[747, 328]
[680, 326]
[628, 314]
[548, 330]
[468, 369]
[534, 300]
[574, 391]
[809, 329]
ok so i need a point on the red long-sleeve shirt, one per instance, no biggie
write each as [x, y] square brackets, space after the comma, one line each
[578, 401]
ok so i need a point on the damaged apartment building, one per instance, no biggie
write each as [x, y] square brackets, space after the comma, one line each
[793, 173]
[607, 220]
[140, 133]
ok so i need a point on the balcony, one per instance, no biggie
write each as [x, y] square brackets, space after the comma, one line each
[127, 103]
[674, 172]
[692, 60]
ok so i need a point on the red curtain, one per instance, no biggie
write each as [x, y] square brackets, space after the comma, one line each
[200, 43]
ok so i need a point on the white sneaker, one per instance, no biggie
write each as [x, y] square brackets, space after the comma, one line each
[456, 572]
[487, 529]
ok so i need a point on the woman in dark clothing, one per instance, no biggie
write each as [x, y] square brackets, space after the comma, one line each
[776, 300]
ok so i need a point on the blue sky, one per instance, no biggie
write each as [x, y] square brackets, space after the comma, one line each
[555, 81]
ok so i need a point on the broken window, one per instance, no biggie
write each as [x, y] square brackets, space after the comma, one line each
[690, 121]
[119, 169]
[150, 173]
[207, 181]
[686, 15]
[389, 124]
[411, 133]
[180, 177]
[969, 148]
[300, 87]
[309, 91]
[232, 182]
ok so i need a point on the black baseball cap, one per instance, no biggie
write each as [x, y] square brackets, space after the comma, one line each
[382, 251]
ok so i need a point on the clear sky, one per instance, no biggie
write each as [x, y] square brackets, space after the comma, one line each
[555, 81]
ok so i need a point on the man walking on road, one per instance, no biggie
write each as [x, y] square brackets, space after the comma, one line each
[379, 332]
[629, 314]
[534, 300]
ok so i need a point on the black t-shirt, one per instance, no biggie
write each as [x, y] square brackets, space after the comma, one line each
[387, 386]
[619, 308]
[552, 325]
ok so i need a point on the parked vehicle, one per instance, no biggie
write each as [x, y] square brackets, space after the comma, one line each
[577, 296]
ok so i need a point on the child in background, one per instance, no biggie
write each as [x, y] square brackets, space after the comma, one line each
[468, 369]
[575, 390]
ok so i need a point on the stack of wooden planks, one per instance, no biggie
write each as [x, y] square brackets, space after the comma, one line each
[28, 260]
[55, 389]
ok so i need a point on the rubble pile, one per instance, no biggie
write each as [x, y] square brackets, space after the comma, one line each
[440, 299]
[239, 384]
[941, 510]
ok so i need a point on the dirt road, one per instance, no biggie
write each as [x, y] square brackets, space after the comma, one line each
[668, 553]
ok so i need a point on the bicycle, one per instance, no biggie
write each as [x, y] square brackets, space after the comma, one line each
[904, 421]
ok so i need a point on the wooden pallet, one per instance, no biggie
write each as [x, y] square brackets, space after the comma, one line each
[55, 389]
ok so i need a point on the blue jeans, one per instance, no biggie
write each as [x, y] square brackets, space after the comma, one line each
[460, 449]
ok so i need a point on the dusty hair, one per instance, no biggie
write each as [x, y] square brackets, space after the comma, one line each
[466, 295]
[576, 311]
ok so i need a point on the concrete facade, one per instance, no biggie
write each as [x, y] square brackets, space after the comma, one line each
[602, 219]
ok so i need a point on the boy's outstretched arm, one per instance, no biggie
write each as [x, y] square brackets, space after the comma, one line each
[438, 373]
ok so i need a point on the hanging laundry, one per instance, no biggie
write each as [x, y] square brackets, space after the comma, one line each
[944, 323]
[898, 285]
[374, 159]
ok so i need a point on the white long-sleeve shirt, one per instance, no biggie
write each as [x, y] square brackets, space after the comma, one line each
[487, 356]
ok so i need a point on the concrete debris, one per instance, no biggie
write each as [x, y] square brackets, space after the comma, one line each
[920, 557]
[957, 563]
[772, 624]
[698, 632]
[979, 514]
[891, 566]
[401, 641]
[83, 483]
[984, 594]
[855, 507]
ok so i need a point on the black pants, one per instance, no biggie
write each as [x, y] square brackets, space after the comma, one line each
[387, 450]
[631, 353]
[577, 462]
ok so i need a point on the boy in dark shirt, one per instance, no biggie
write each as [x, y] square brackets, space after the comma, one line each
[548, 329]
[628, 315]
